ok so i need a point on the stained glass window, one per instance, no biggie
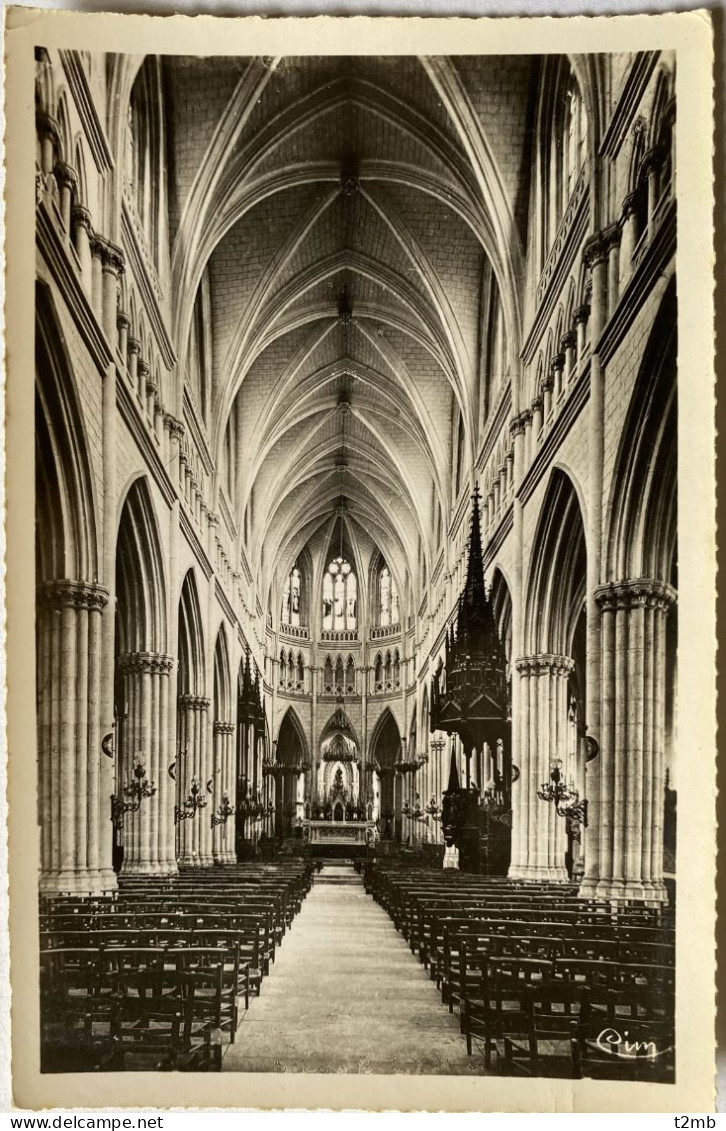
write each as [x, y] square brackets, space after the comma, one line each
[340, 597]
[387, 598]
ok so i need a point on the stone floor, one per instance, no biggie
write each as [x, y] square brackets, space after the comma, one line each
[345, 994]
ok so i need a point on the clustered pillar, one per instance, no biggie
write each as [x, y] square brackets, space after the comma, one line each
[73, 814]
[193, 767]
[148, 832]
[224, 790]
[538, 846]
[632, 739]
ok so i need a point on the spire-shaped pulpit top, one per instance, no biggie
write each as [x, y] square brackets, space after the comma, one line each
[474, 703]
[247, 702]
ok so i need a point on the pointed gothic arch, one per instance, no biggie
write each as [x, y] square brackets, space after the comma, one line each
[557, 570]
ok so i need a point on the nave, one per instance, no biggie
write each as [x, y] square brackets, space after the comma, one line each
[347, 995]
[356, 539]
[384, 970]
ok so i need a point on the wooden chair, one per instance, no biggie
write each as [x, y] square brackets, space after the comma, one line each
[627, 1049]
[552, 1015]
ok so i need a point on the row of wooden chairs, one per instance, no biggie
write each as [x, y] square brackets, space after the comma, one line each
[508, 955]
[153, 977]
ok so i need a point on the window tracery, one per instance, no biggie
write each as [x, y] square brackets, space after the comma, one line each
[340, 597]
[291, 601]
[388, 602]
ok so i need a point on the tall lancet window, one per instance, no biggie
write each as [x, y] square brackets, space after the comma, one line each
[340, 597]
[291, 601]
[387, 598]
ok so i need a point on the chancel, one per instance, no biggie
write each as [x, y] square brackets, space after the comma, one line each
[356, 562]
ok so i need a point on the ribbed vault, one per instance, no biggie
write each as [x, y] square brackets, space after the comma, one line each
[343, 215]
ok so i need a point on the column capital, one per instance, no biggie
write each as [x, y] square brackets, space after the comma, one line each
[98, 245]
[516, 425]
[47, 126]
[175, 426]
[123, 321]
[212, 518]
[82, 217]
[581, 313]
[652, 160]
[194, 702]
[221, 727]
[641, 592]
[630, 206]
[545, 663]
[134, 345]
[613, 234]
[596, 250]
[558, 362]
[547, 383]
[113, 258]
[153, 663]
[537, 405]
[568, 340]
[66, 174]
[72, 594]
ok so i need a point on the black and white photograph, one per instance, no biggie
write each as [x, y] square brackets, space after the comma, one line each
[357, 471]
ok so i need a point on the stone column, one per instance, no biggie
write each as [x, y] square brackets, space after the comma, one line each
[568, 346]
[630, 235]
[134, 351]
[536, 433]
[67, 183]
[546, 388]
[82, 239]
[73, 814]
[98, 251]
[652, 164]
[143, 732]
[48, 133]
[596, 257]
[558, 367]
[613, 235]
[123, 324]
[631, 799]
[112, 268]
[538, 850]
[519, 801]
[222, 837]
[580, 318]
[192, 766]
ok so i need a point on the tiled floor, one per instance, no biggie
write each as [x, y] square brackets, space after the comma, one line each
[345, 994]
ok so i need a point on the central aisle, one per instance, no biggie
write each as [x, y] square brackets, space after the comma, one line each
[345, 994]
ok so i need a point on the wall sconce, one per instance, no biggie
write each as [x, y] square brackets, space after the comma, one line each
[192, 804]
[224, 812]
[566, 799]
[136, 790]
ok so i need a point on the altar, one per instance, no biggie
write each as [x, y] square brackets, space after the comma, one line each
[339, 838]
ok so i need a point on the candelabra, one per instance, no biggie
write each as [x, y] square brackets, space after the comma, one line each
[136, 790]
[224, 812]
[191, 804]
[252, 808]
[565, 797]
[415, 812]
[434, 809]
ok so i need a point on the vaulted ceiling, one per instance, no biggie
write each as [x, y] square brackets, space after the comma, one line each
[345, 212]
